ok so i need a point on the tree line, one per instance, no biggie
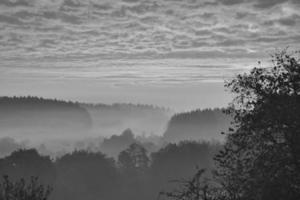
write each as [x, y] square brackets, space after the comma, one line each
[135, 174]
[260, 159]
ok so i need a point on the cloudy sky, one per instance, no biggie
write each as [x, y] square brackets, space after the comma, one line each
[174, 53]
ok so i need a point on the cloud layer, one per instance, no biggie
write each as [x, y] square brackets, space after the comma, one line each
[73, 38]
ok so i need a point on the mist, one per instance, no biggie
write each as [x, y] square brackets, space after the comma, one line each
[55, 127]
[149, 100]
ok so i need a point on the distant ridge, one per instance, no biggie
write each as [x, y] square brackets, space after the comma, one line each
[199, 124]
[30, 114]
[36, 113]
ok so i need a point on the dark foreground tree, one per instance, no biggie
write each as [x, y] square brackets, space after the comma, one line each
[22, 190]
[25, 163]
[261, 158]
[196, 188]
[86, 175]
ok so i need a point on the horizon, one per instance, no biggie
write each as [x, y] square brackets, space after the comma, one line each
[174, 54]
[150, 99]
[95, 103]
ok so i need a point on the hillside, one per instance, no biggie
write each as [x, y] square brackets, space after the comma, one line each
[39, 116]
[60, 125]
[197, 125]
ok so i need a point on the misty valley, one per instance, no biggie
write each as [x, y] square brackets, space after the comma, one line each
[55, 149]
[56, 127]
[98, 151]
[149, 100]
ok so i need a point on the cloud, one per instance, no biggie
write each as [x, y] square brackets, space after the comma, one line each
[14, 3]
[231, 2]
[264, 4]
[69, 18]
[105, 6]
[71, 3]
[88, 31]
[130, 1]
[10, 20]
[290, 21]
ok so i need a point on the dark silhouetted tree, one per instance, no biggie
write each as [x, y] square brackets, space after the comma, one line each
[195, 188]
[117, 143]
[22, 190]
[27, 163]
[86, 175]
[133, 164]
[175, 161]
[179, 160]
[134, 158]
[261, 158]
[197, 125]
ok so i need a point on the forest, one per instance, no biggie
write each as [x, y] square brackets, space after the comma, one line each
[55, 127]
[92, 175]
[258, 159]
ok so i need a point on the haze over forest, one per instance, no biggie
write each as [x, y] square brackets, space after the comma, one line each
[149, 100]
[56, 126]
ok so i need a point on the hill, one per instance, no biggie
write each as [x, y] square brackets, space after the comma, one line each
[197, 125]
[39, 116]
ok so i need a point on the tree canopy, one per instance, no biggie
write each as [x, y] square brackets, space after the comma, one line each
[23, 190]
[261, 157]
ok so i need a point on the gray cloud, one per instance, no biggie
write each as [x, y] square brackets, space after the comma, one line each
[71, 3]
[131, 1]
[10, 20]
[14, 3]
[231, 2]
[289, 21]
[105, 6]
[79, 32]
[264, 4]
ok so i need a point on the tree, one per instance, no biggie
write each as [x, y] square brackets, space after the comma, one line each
[197, 125]
[179, 160]
[195, 188]
[86, 175]
[261, 156]
[134, 158]
[116, 143]
[134, 163]
[22, 190]
[27, 163]
[175, 161]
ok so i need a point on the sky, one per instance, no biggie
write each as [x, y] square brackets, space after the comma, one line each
[172, 53]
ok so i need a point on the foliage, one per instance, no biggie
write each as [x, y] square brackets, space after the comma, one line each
[85, 175]
[22, 114]
[28, 163]
[134, 158]
[92, 175]
[195, 188]
[116, 143]
[22, 190]
[197, 125]
[261, 158]
[178, 160]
